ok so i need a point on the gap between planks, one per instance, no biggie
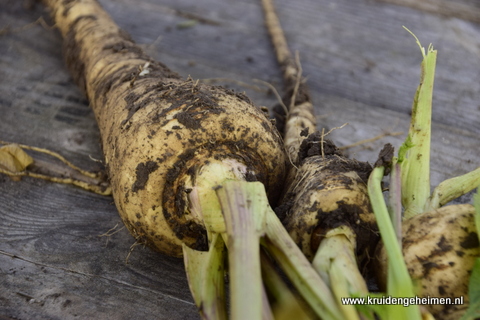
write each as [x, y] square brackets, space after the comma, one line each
[40, 264]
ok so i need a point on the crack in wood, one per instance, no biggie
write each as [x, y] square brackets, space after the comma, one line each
[71, 271]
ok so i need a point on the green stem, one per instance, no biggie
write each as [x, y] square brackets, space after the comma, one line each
[243, 207]
[341, 289]
[395, 199]
[299, 270]
[286, 305]
[399, 283]
[476, 204]
[205, 273]
[414, 154]
[336, 263]
[453, 188]
[473, 311]
[267, 310]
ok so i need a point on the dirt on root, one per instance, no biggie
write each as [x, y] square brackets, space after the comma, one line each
[314, 145]
[325, 151]
[470, 241]
[330, 164]
[385, 157]
[346, 214]
[118, 44]
[142, 172]
[192, 101]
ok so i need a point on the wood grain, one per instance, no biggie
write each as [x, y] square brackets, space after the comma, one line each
[362, 67]
[462, 9]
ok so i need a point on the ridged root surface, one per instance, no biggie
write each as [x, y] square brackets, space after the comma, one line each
[440, 248]
[159, 130]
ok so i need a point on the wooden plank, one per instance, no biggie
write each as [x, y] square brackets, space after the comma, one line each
[462, 9]
[363, 68]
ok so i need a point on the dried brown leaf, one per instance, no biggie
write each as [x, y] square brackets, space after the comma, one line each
[14, 159]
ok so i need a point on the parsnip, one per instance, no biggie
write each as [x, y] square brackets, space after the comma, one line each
[439, 248]
[159, 132]
[327, 213]
[320, 178]
[328, 192]
[325, 206]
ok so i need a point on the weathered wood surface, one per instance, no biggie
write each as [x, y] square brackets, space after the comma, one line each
[363, 69]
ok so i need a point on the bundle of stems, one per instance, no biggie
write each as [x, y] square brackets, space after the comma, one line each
[416, 230]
